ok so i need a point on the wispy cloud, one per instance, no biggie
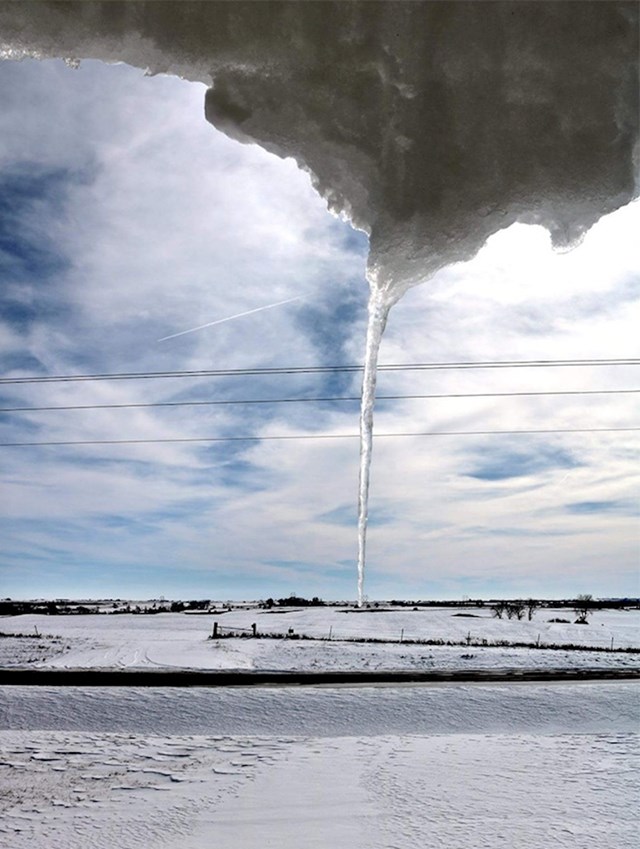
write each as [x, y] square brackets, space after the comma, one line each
[503, 464]
[619, 507]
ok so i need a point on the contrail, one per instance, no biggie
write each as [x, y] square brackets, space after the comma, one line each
[231, 317]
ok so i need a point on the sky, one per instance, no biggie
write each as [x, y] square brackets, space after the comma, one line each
[125, 218]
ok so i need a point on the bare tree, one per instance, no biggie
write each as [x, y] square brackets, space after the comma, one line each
[515, 608]
[532, 606]
[582, 607]
[498, 609]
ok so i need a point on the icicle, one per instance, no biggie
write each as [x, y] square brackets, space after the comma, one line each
[378, 312]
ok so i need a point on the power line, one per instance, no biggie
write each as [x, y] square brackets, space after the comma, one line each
[257, 372]
[227, 402]
[317, 436]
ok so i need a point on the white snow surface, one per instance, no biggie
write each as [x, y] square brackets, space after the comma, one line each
[326, 711]
[366, 768]
[372, 767]
[68, 791]
[179, 640]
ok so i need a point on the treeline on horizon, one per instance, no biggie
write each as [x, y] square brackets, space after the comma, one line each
[57, 607]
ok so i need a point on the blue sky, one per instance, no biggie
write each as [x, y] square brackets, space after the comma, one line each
[125, 218]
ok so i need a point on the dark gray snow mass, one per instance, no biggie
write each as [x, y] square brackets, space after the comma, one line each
[430, 125]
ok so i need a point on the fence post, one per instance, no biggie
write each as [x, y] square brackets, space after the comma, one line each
[214, 635]
[611, 643]
[330, 630]
[401, 635]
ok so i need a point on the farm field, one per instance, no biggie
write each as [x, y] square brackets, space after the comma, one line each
[180, 640]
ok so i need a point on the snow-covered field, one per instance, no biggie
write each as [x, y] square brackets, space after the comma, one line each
[178, 640]
[526, 766]
[365, 768]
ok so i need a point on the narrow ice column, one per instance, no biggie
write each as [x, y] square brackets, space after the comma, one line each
[378, 309]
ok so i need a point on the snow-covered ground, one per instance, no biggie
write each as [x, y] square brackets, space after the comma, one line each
[366, 768]
[70, 791]
[178, 640]
[526, 766]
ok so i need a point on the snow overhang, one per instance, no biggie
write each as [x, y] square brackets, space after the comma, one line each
[430, 125]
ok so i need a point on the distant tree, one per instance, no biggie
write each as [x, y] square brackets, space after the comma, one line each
[582, 607]
[515, 609]
[198, 604]
[498, 609]
[300, 601]
[532, 605]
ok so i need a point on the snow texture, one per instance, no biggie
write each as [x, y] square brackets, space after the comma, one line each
[371, 768]
[430, 125]
[587, 708]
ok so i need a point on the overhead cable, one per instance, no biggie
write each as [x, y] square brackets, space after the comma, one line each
[317, 436]
[257, 372]
[335, 398]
